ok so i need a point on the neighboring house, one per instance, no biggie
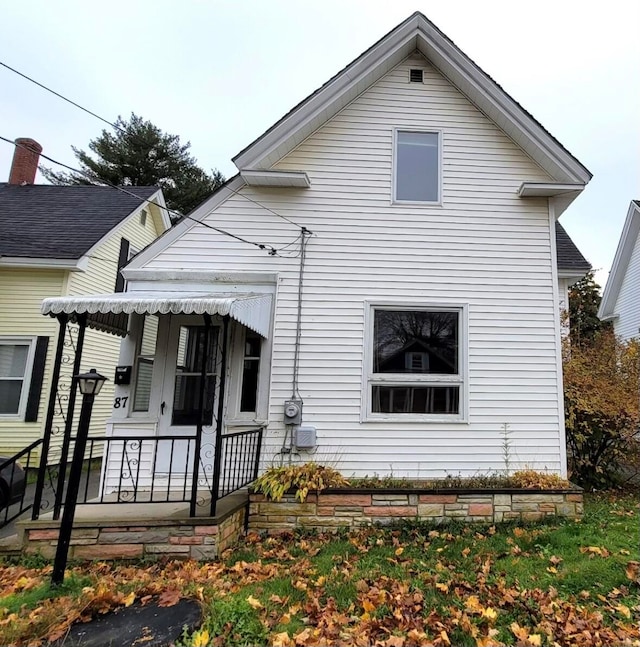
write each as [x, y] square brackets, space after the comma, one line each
[572, 266]
[621, 297]
[57, 241]
[416, 315]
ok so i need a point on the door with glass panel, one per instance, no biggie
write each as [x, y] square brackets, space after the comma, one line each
[180, 405]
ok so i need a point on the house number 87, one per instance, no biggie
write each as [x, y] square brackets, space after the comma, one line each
[120, 402]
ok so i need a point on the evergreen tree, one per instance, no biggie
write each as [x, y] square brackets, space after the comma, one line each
[584, 301]
[140, 154]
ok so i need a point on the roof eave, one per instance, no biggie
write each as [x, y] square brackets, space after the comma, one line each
[630, 232]
[417, 32]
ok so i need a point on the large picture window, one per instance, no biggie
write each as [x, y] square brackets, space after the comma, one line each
[417, 166]
[16, 358]
[415, 365]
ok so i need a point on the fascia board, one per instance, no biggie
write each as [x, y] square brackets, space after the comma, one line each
[629, 236]
[316, 103]
[452, 63]
[72, 264]
[228, 189]
[123, 222]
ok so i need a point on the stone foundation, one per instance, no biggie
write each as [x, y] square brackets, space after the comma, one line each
[353, 508]
[199, 538]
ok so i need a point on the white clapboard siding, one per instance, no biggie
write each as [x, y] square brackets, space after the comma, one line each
[627, 325]
[484, 247]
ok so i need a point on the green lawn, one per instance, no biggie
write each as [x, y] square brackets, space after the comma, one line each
[554, 583]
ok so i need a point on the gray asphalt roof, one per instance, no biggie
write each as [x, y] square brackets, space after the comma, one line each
[569, 256]
[47, 221]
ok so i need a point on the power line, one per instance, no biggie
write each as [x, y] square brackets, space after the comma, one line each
[122, 130]
[272, 250]
[60, 96]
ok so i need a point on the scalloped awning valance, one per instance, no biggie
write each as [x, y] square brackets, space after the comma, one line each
[105, 310]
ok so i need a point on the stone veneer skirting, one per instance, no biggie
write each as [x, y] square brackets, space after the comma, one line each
[351, 508]
[184, 538]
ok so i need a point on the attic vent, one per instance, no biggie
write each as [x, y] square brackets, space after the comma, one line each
[415, 76]
[143, 217]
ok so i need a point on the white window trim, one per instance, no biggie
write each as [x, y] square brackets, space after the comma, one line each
[421, 203]
[235, 417]
[462, 379]
[26, 381]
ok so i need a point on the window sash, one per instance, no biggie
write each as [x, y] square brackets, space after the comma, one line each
[417, 166]
[422, 380]
[17, 370]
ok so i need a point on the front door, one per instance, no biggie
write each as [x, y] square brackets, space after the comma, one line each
[180, 406]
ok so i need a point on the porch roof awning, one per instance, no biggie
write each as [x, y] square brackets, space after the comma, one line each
[251, 310]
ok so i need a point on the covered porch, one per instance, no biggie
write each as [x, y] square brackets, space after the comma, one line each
[186, 426]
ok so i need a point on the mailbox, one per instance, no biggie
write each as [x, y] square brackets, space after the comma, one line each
[122, 376]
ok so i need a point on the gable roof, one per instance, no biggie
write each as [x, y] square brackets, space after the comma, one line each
[62, 222]
[415, 33]
[628, 239]
[570, 258]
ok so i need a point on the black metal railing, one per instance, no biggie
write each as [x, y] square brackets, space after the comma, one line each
[16, 490]
[240, 459]
[145, 469]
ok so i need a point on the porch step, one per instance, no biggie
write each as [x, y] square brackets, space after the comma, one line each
[133, 531]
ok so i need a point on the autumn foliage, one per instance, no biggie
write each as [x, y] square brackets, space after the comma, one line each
[601, 393]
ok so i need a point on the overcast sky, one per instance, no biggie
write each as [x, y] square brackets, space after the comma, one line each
[220, 73]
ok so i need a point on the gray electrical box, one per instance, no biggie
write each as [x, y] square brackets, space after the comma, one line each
[292, 412]
[305, 437]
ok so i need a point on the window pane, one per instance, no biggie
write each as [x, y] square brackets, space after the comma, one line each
[250, 371]
[13, 360]
[186, 400]
[416, 399]
[144, 374]
[10, 391]
[417, 167]
[144, 364]
[414, 341]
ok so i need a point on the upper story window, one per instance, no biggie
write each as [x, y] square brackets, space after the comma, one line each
[417, 166]
[416, 363]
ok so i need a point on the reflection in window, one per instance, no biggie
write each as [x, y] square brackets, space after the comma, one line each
[190, 357]
[415, 368]
[250, 371]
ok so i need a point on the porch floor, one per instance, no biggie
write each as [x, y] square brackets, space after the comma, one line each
[111, 512]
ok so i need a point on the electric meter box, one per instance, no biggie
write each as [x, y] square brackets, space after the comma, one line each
[305, 437]
[292, 412]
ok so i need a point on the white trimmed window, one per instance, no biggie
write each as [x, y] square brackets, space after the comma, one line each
[417, 166]
[416, 363]
[16, 360]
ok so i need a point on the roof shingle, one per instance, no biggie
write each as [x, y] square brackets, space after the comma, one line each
[568, 255]
[48, 221]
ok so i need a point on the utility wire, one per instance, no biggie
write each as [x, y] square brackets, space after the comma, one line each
[60, 96]
[122, 130]
[272, 250]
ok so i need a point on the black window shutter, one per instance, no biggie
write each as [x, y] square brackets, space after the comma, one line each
[123, 257]
[37, 376]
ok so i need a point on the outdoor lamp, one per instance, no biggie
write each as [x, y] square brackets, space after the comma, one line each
[90, 383]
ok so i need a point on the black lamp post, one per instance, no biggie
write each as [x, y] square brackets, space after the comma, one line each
[90, 384]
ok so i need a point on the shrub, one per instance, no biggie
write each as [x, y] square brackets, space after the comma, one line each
[601, 409]
[532, 480]
[305, 478]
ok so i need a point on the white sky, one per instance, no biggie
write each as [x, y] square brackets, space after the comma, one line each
[220, 73]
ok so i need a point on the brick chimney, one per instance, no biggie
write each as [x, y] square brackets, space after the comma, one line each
[25, 161]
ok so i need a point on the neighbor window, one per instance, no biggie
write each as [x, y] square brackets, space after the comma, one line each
[16, 357]
[415, 362]
[417, 166]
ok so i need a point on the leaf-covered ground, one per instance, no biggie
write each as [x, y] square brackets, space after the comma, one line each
[558, 583]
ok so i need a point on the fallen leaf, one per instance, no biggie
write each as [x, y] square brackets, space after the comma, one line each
[399, 552]
[169, 598]
[254, 603]
[442, 587]
[490, 614]
[395, 641]
[632, 571]
[129, 599]
[200, 638]
[281, 640]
